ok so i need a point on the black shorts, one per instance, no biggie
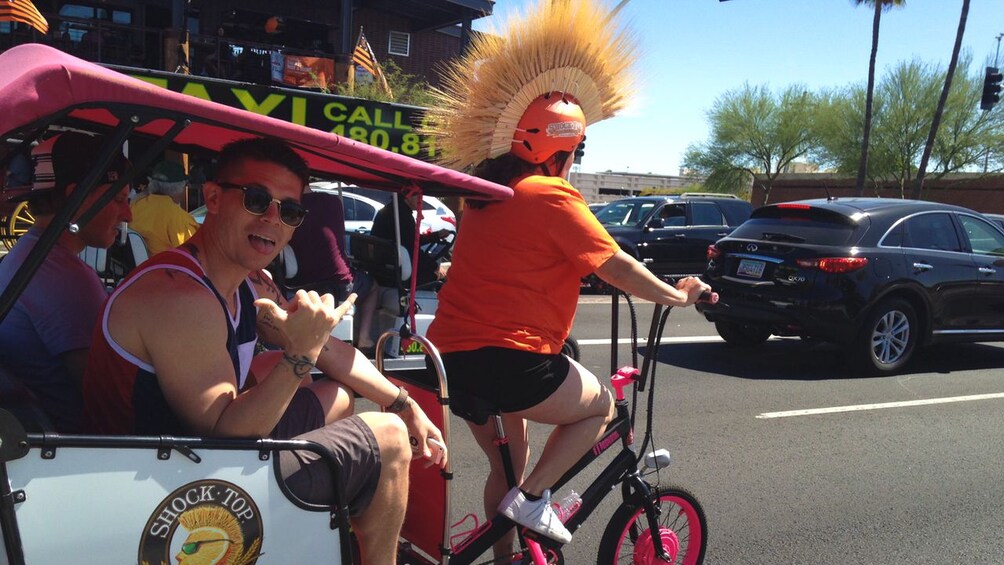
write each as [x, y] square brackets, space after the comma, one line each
[350, 440]
[509, 379]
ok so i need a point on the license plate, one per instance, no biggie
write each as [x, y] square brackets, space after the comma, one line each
[750, 268]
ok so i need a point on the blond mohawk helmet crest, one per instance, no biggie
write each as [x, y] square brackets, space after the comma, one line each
[532, 87]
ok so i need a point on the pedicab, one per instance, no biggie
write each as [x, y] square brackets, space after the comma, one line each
[152, 499]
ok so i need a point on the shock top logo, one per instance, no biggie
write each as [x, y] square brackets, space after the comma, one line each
[207, 522]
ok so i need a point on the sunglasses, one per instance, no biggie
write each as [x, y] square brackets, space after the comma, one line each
[257, 200]
[193, 546]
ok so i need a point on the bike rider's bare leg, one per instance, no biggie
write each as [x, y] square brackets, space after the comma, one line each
[580, 409]
[495, 483]
[379, 528]
[337, 400]
[366, 308]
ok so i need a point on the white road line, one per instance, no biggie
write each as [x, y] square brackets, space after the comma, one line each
[880, 406]
[627, 341]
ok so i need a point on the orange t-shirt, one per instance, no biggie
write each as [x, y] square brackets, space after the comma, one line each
[514, 280]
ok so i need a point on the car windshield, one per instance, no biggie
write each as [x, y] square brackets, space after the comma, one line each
[625, 212]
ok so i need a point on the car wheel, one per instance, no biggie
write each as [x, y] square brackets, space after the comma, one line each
[888, 338]
[571, 348]
[735, 333]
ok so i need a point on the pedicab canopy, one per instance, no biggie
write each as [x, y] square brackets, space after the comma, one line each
[40, 86]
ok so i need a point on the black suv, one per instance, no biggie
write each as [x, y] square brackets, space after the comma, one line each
[881, 276]
[671, 234]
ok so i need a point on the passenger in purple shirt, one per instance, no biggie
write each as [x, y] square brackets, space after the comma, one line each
[45, 337]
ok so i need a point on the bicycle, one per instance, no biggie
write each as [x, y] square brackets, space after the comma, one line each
[653, 524]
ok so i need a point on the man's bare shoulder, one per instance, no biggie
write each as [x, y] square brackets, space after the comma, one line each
[165, 308]
[167, 291]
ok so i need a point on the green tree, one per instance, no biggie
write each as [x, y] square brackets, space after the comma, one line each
[839, 122]
[905, 100]
[879, 6]
[967, 139]
[754, 134]
[407, 88]
[929, 146]
[909, 95]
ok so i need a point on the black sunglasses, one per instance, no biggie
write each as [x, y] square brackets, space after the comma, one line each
[257, 200]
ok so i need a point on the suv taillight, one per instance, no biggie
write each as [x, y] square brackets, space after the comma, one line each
[834, 264]
[713, 252]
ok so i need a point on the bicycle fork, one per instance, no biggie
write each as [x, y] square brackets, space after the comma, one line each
[652, 512]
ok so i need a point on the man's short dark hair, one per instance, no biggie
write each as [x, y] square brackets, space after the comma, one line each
[266, 149]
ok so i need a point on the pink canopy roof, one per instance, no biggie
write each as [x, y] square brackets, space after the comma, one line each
[37, 81]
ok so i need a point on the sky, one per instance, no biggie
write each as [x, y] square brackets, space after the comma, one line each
[694, 51]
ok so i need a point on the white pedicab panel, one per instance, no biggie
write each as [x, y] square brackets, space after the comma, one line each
[105, 505]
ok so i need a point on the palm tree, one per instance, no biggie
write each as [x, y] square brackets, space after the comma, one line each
[880, 6]
[918, 186]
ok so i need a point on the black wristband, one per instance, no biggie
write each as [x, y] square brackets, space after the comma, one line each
[400, 402]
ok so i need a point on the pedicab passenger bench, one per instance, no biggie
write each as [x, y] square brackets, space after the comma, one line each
[151, 499]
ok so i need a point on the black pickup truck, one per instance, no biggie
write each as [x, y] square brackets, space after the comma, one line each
[671, 234]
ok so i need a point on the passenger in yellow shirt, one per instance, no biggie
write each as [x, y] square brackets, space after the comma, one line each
[157, 214]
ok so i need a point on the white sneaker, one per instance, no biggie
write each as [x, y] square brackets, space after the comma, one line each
[538, 515]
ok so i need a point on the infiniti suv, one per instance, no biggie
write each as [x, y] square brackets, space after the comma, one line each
[881, 276]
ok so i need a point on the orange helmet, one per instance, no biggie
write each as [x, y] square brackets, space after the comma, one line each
[553, 122]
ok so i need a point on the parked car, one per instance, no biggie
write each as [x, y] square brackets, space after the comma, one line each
[436, 216]
[597, 206]
[881, 276]
[997, 219]
[366, 202]
[671, 234]
[359, 210]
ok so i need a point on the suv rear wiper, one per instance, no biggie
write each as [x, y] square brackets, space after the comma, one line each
[776, 236]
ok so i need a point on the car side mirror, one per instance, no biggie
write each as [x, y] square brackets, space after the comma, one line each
[655, 223]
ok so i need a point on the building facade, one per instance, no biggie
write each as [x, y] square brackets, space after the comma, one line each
[246, 39]
[610, 185]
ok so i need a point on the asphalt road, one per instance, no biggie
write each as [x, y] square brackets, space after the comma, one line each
[872, 476]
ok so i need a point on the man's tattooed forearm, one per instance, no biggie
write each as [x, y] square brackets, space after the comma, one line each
[301, 365]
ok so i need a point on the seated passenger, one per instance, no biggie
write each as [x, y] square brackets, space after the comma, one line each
[44, 338]
[157, 213]
[322, 264]
[173, 352]
[429, 270]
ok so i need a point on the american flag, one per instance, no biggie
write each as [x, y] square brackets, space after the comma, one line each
[23, 11]
[363, 57]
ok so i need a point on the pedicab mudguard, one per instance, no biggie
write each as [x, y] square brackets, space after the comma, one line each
[156, 501]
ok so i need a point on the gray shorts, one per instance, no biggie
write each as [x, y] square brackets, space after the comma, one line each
[350, 440]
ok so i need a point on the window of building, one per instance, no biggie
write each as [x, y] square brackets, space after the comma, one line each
[399, 43]
[75, 30]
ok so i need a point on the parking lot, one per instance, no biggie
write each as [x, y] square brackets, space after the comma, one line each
[797, 461]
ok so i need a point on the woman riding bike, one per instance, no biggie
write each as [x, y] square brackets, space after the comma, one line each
[511, 297]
